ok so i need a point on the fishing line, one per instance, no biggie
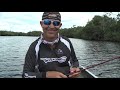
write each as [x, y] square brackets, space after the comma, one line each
[94, 65]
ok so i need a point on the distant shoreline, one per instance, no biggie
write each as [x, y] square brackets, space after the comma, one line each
[11, 33]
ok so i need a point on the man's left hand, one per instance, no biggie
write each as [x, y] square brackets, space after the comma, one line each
[74, 72]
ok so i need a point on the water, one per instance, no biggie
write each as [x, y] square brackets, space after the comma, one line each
[12, 54]
[13, 50]
[94, 52]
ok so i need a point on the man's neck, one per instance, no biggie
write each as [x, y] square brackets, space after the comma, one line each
[50, 39]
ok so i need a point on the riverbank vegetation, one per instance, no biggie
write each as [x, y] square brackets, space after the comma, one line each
[104, 28]
[11, 33]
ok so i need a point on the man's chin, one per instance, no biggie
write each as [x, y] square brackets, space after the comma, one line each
[51, 35]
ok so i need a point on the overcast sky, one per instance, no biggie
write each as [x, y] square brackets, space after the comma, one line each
[29, 21]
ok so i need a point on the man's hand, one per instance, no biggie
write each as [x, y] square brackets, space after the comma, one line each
[55, 74]
[74, 72]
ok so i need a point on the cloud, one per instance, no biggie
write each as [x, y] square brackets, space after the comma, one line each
[20, 21]
[77, 18]
[29, 21]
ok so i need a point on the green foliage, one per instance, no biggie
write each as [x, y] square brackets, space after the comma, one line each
[92, 33]
[71, 32]
[10, 33]
[34, 33]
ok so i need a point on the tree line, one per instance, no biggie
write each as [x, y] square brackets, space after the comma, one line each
[103, 27]
[11, 33]
[99, 28]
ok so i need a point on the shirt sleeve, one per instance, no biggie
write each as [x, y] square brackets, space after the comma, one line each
[29, 70]
[73, 59]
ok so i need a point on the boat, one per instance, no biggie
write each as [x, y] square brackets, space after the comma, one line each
[86, 73]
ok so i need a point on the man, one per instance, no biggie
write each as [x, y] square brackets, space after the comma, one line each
[51, 55]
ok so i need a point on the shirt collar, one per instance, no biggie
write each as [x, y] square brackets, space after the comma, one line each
[50, 43]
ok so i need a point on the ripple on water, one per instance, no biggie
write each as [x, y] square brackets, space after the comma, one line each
[87, 52]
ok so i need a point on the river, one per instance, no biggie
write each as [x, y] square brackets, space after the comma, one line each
[14, 48]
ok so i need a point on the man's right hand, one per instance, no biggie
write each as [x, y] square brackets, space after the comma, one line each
[55, 74]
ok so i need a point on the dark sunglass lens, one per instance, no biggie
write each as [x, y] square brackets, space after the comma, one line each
[47, 22]
[56, 23]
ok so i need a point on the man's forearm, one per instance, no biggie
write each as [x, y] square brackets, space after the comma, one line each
[75, 64]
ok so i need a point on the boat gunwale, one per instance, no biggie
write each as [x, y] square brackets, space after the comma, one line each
[89, 72]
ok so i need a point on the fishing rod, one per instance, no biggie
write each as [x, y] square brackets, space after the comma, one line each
[94, 65]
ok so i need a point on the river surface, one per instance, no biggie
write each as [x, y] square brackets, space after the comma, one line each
[13, 50]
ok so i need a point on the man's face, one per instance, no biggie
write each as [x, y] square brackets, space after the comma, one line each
[50, 27]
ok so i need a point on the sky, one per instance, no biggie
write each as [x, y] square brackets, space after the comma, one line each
[30, 21]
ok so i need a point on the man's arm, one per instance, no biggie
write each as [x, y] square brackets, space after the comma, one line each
[74, 70]
[73, 59]
[29, 70]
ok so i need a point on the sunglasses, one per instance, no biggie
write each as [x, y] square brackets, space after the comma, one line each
[48, 22]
